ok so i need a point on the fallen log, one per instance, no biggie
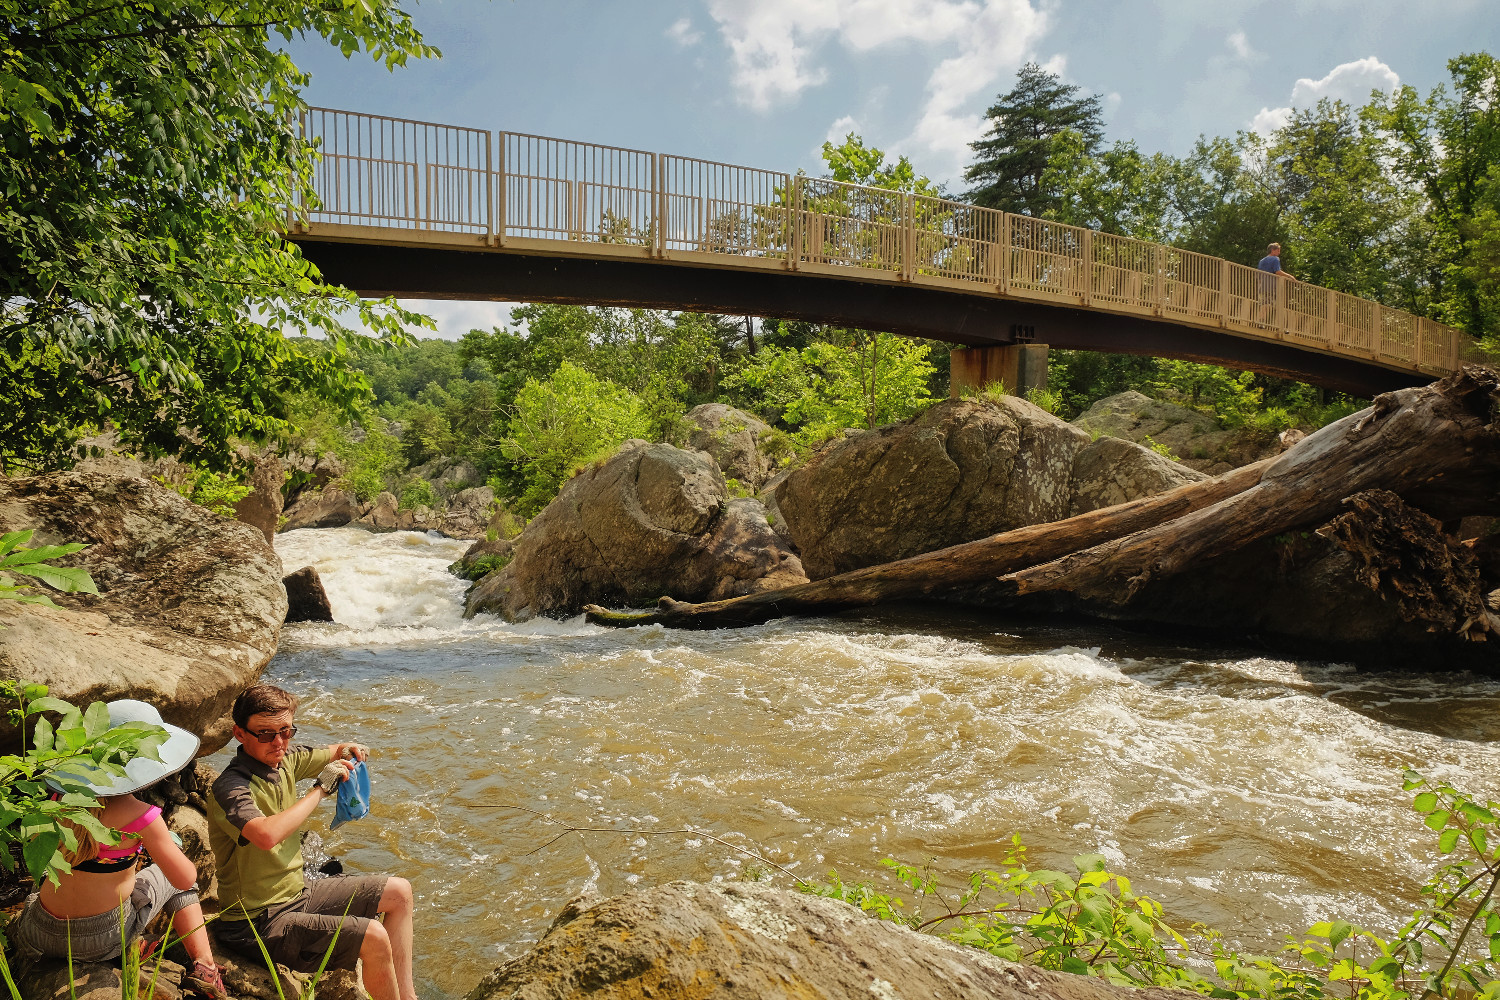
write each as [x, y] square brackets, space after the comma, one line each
[932, 574]
[1436, 445]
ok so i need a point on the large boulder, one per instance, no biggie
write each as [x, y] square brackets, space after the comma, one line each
[330, 507]
[1193, 436]
[306, 600]
[189, 604]
[964, 469]
[744, 941]
[731, 437]
[652, 520]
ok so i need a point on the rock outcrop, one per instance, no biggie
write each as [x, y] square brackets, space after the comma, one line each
[306, 600]
[330, 507]
[652, 520]
[189, 607]
[1194, 437]
[262, 507]
[743, 941]
[466, 514]
[964, 469]
[732, 439]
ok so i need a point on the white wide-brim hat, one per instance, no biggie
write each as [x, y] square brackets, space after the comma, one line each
[176, 753]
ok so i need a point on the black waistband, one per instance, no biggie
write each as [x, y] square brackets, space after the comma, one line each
[97, 866]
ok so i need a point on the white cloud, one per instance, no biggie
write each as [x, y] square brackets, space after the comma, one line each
[1350, 82]
[773, 44]
[1240, 46]
[842, 127]
[995, 43]
[456, 318]
[683, 33]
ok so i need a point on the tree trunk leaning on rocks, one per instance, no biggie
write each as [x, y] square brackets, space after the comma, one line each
[933, 573]
[1436, 446]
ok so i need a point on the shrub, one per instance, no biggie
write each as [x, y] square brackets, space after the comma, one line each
[1047, 399]
[737, 489]
[563, 422]
[1158, 447]
[417, 492]
[217, 491]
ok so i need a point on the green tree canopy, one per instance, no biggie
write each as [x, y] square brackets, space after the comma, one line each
[1011, 157]
[852, 162]
[147, 156]
[1447, 147]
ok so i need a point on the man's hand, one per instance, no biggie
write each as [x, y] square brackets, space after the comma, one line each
[330, 776]
[349, 751]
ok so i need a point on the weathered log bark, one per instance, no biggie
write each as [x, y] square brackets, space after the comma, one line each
[932, 574]
[1405, 556]
[1437, 446]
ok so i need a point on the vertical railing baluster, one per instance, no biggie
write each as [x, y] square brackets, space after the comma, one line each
[794, 259]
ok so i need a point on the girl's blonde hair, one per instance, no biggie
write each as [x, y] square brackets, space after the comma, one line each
[88, 847]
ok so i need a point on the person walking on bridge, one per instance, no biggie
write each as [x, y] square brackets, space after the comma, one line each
[1271, 262]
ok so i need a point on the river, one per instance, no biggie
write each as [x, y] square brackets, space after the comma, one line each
[1255, 794]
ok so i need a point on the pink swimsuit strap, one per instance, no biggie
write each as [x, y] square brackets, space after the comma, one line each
[134, 826]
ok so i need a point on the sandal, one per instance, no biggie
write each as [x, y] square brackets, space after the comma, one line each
[205, 981]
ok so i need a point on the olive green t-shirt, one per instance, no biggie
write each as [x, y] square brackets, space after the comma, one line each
[247, 790]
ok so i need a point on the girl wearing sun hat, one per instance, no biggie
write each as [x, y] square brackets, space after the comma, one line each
[84, 909]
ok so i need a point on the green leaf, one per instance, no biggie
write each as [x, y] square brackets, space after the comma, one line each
[1425, 803]
[42, 736]
[11, 539]
[1089, 862]
[1448, 841]
[1476, 813]
[1338, 933]
[96, 720]
[38, 851]
[68, 579]
[1437, 820]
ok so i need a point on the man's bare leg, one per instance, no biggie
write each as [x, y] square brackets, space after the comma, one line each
[397, 904]
[375, 959]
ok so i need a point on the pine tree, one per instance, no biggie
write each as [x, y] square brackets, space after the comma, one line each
[1024, 123]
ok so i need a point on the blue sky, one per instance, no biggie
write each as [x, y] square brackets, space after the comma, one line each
[764, 82]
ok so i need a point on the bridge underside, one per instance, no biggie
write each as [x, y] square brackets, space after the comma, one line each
[438, 272]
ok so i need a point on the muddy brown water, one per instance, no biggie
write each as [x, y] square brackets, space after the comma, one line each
[1257, 795]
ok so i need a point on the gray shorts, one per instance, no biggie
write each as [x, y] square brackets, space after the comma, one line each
[102, 937]
[331, 913]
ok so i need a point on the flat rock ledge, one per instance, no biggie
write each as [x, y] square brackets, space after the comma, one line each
[743, 941]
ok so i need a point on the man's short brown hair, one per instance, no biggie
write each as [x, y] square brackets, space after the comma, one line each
[262, 698]
[1273, 246]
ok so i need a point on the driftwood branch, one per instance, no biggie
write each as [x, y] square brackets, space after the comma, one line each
[932, 574]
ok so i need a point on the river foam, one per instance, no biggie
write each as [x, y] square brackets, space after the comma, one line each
[1252, 793]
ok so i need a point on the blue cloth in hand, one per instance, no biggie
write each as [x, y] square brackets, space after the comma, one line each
[354, 796]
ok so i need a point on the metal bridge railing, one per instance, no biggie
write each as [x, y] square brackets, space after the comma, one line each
[511, 189]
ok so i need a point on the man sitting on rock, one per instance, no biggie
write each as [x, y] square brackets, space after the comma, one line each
[254, 819]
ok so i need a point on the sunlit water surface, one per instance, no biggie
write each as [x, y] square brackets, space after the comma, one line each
[1256, 795]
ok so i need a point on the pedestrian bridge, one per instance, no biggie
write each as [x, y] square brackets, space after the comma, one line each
[420, 210]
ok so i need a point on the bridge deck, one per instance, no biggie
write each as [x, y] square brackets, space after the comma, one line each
[426, 210]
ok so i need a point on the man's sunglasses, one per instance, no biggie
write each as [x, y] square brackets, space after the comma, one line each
[267, 735]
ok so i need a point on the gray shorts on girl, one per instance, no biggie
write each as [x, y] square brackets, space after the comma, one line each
[102, 937]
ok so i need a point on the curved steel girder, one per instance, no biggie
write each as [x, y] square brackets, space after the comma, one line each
[917, 311]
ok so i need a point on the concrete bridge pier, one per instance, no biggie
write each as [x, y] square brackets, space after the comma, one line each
[1018, 367]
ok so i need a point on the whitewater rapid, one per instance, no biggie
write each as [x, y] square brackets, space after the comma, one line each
[1253, 793]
